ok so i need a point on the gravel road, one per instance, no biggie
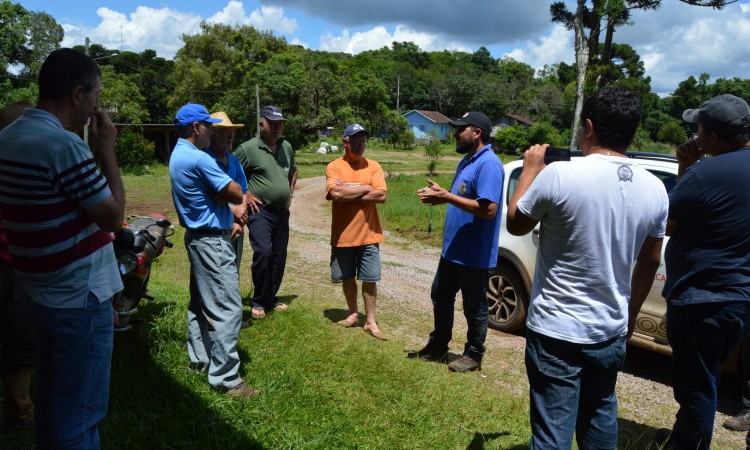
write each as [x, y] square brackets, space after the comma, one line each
[645, 396]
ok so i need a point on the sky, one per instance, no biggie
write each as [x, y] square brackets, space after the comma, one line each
[675, 42]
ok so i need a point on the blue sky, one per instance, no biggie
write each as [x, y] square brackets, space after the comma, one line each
[674, 42]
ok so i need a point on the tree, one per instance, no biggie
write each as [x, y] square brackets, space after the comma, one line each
[512, 139]
[433, 151]
[672, 133]
[616, 13]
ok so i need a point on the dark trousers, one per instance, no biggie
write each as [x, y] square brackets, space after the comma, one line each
[17, 328]
[472, 282]
[701, 337]
[268, 230]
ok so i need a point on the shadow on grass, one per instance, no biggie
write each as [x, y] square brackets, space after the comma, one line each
[481, 440]
[150, 408]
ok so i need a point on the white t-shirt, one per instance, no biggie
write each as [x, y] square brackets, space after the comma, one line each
[595, 214]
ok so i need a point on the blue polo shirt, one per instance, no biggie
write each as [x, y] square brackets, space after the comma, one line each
[233, 169]
[470, 240]
[195, 175]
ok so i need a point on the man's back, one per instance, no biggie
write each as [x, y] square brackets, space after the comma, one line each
[595, 214]
[709, 253]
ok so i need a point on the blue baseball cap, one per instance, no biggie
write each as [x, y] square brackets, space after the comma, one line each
[353, 129]
[193, 112]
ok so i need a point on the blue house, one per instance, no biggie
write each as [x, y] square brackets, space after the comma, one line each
[422, 122]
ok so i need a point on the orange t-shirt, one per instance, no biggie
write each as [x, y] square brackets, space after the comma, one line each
[354, 223]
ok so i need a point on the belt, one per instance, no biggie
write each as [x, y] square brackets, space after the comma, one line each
[209, 231]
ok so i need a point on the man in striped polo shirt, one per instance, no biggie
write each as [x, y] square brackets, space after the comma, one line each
[58, 210]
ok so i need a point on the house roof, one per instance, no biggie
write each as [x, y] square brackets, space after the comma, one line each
[431, 115]
[528, 122]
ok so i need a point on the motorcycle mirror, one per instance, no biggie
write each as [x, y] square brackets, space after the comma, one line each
[164, 223]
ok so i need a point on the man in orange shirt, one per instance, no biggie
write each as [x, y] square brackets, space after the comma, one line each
[356, 185]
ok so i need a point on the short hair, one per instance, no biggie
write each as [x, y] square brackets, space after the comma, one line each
[484, 136]
[615, 113]
[737, 136]
[63, 70]
[185, 132]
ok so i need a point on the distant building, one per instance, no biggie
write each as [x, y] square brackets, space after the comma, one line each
[421, 122]
[510, 120]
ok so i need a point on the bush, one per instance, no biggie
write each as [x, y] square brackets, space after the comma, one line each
[672, 133]
[408, 141]
[512, 139]
[134, 152]
[434, 151]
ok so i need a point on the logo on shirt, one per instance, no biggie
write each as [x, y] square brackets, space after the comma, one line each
[625, 173]
[462, 188]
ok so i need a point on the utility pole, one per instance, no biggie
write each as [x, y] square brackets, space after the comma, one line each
[257, 110]
[398, 93]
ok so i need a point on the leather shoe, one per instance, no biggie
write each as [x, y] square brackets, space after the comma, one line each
[464, 364]
[243, 390]
[740, 422]
[428, 354]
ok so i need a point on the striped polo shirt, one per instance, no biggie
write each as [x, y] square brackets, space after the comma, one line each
[47, 177]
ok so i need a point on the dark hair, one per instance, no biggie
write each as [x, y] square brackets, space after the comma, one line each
[733, 136]
[185, 131]
[63, 70]
[484, 136]
[615, 113]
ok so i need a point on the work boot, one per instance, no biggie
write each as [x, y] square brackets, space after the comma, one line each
[17, 404]
[428, 354]
[465, 364]
[740, 422]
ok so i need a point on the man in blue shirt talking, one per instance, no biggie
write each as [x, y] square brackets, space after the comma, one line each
[469, 242]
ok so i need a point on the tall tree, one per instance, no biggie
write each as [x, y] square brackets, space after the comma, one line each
[587, 46]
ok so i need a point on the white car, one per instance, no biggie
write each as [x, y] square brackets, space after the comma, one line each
[510, 281]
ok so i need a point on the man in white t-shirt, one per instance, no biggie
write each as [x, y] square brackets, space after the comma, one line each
[600, 216]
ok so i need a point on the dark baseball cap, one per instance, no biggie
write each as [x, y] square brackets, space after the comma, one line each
[725, 112]
[353, 129]
[475, 118]
[271, 112]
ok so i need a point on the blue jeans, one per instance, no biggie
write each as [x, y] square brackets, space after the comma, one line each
[268, 231]
[472, 282]
[572, 388]
[701, 337]
[215, 311]
[74, 359]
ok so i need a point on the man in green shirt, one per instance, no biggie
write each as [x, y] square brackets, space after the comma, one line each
[268, 162]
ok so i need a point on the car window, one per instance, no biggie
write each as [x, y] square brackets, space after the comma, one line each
[669, 179]
[512, 183]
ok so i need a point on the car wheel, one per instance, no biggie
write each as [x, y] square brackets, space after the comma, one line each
[508, 300]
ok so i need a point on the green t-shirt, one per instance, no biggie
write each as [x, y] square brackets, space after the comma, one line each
[268, 174]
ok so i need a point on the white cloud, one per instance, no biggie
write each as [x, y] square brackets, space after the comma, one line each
[379, 37]
[550, 49]
[267, 18]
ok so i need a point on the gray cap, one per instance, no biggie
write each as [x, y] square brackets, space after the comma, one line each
[726, 112]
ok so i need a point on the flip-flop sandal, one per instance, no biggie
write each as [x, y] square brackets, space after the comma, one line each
[258, 313]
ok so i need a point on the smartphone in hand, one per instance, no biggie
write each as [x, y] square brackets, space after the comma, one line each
[553, 154]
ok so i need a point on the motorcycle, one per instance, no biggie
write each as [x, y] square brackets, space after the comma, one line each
[137, 245]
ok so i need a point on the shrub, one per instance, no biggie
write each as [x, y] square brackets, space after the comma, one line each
[512, 139]
[434, 151]
[408, 141]
[134, 152]
[672, 133]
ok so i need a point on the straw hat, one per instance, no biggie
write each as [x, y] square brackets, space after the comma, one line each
[225, 122]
